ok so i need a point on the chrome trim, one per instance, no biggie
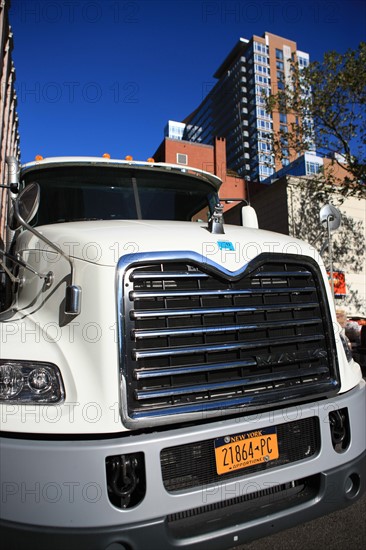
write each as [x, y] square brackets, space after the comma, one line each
[209, 409]
[189, 369]
[180, 274]
[139, 295]
[150, 394]
[171, 275]
[141, 334]
[200, 311]
[189, 350]
[288, 273]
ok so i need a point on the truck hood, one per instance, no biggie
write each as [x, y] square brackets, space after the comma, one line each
[104, 242]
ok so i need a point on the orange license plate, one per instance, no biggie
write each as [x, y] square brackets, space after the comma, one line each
[234, 452]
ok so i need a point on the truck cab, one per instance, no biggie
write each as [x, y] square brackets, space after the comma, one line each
[166, 379]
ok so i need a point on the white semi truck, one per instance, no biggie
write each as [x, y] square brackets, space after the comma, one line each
[165, 382]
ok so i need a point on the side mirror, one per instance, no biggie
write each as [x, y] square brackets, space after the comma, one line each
[330, 217]
[24, 209]
[27, 204]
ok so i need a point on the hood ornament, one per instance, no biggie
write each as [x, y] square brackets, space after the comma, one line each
[216, 221]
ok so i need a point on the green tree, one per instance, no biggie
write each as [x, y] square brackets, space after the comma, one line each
[329, 100]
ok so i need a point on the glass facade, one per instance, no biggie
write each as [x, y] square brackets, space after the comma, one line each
[235, 107]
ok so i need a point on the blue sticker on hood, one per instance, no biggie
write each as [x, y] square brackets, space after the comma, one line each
[226, 245]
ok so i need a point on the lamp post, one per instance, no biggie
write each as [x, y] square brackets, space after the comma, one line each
[330, 217]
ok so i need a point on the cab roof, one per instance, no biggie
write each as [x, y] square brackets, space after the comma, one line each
[141, 165]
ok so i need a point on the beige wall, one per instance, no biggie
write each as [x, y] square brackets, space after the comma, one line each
[357, 281]
[349, 254]
[290, 206]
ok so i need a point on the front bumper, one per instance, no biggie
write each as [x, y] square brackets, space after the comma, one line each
[335, 492]
[54, 493]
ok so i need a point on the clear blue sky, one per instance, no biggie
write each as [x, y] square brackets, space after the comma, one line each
[97, 76]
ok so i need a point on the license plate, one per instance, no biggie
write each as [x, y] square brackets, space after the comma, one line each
[238, 451]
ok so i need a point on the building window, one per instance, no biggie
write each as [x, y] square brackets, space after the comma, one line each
[264, 146]
[260, 48]
[261, 90]
[260, 100]
[265, 170]
[264, 135]
[283, 118]
[279, 54]
[261, 79]
[303, 62]
[260, 58]
[280, 65]
[284, 140]
[267, 159]
[263, 113]
[264, 124]
[261, 69]
[182, 159]
[312, 168]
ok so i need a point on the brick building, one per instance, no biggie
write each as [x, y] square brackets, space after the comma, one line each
[211, 158]
[9, 137]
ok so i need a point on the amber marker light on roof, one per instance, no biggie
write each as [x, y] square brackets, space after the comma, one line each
[106, 156]
[128, 157]
[38, 157]
[150, 159]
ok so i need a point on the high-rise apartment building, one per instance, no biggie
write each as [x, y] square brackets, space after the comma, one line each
[234, 108]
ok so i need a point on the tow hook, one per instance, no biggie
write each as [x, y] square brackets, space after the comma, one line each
[339, 429]
[123, 478]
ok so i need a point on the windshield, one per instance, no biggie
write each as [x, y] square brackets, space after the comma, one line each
[76, 193]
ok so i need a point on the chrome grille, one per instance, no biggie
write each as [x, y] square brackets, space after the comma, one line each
[197, 339]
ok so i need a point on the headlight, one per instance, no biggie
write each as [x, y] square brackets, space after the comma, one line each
[30, 382]
[346, 347]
